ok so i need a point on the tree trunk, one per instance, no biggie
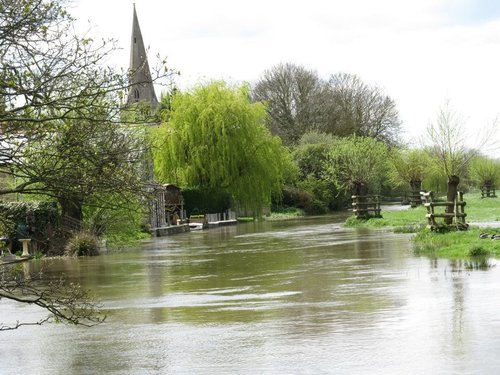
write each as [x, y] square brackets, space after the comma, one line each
[415, 186]
[451, 195]
[360, 191]
[72, 207]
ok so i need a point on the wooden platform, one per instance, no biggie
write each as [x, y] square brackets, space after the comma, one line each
[172, 229]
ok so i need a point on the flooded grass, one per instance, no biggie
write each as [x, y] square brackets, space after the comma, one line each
[410, 220]
[461, 244]
[484, 213]
[289, 213]
[478, 263]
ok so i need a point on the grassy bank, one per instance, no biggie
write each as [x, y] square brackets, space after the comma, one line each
[462, 244]
[482, 214]
[285, 214]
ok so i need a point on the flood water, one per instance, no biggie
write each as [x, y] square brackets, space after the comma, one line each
[294, 297]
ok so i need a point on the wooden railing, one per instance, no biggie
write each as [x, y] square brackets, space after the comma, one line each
[366, 206]
[488, 191]
[415, 198]
[453, 210]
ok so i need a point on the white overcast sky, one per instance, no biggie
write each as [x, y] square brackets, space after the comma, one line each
[420, 52]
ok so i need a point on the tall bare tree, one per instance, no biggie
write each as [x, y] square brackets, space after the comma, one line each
[294, 100]
[299, 101]
[361, 109]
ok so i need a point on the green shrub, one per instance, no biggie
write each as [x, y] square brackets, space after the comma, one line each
[120, 220]
[82, 244]
[478, 251]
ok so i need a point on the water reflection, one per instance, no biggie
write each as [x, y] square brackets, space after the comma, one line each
[289, 297]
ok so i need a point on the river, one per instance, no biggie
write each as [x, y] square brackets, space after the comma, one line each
[293, 297]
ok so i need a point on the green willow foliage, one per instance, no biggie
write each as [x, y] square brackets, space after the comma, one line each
[485, 171]
[216, 139]
[408, 167]
[357, 165]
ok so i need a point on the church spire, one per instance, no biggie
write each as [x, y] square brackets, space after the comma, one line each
[141, 86]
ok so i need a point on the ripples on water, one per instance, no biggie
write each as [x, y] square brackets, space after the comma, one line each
[304, 297]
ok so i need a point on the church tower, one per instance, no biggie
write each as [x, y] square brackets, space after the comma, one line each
[141, 86]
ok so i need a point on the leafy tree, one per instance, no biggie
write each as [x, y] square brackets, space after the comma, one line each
[61, 107]
[408, 168]
[447, 141]
[76, 160]
[59, 110]
[357, 165]
[310, 159]
[485, 171]
[216, 139]
[120, 220]
[448, 150]
[360, 109]
[310, 156]
[294, 100]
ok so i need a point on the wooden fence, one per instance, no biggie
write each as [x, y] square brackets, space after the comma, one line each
[488, 191]
[458, 215]
[366, 206]
[415, 198]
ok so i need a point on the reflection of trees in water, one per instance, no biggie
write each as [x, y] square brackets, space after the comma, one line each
[458, 307]
[450, 285]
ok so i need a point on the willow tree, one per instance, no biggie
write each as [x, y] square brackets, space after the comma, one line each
[216, 139]
[357, 165]
[447, 139]
[408, 168]
[485, 172]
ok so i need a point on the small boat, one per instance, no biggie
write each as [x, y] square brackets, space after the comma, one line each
[195, 226]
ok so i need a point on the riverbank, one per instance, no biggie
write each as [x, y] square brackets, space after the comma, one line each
[483, 217]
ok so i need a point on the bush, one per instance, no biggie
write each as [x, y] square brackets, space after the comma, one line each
[478, 251]
[295, 198]
[82, 244]
[121, 221]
